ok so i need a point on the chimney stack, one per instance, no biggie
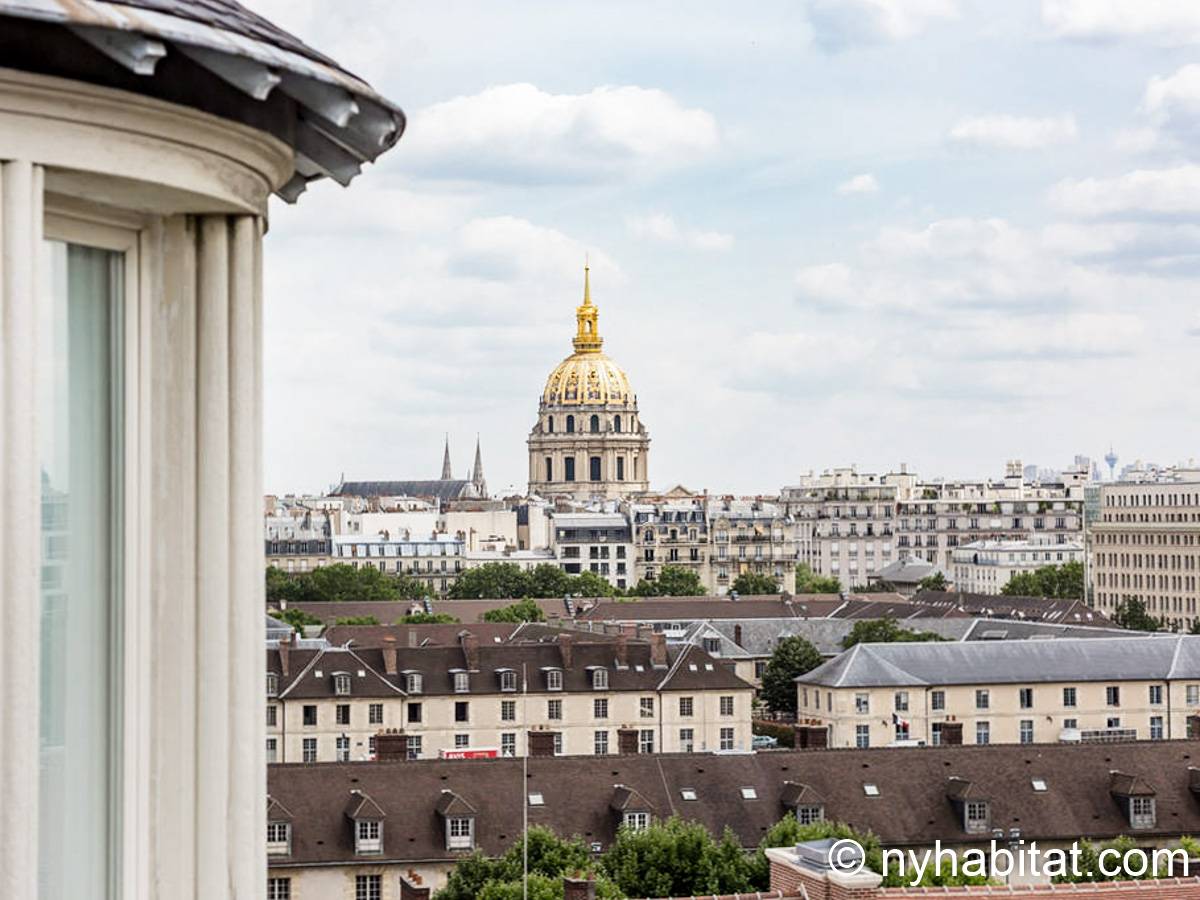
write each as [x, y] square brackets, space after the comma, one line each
[737, 634]
[470, 649]
[622, 649]
[411, 887]
[285, 647]
[389, 655]
[566, 647]
[412, 637]
[658, 650]
[579, 887]
[391, 746]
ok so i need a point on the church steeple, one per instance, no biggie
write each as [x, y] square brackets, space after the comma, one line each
[477, 478]
[447, 475]
[587, 328]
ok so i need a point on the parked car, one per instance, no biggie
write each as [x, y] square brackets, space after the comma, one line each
[764, 742]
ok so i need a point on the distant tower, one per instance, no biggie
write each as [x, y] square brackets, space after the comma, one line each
[447, 475]
[477, 478]
[1111, 458]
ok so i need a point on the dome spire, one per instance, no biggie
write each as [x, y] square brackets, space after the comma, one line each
[587, 331]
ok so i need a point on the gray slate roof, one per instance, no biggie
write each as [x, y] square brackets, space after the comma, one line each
[441, 489]
[1012, 662]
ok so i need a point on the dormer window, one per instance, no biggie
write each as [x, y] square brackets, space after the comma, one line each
[460, 833]
[272, 684]
[508, 680]
[279, 838]
[368, 837]
[413, 682]
[462, 683]
[976, 817]
[809, 815]
[636, 821]
[1141, 812]
[600, 679]
[554, 679]
[341, 684]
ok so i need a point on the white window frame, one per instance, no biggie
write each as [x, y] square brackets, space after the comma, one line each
[121, 232]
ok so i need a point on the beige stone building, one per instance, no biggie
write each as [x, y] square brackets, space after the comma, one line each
[589, 440]
[1006, 692]
[436, 559]
[751, 535]
[985, 567]
[568, 697]
[671, 531]
[851, 524]
[1145, 545]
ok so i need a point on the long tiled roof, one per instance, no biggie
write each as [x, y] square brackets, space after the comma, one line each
[1012, 662]
[1046, 609]
[913, 805]
[309, 671]
[440, 489]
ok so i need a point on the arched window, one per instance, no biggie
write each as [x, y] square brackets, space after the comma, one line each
[550, 424]
[595, 425]
[617, 424]
[570, 424]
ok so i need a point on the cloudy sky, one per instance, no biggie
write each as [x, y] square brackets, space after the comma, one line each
[941, 232]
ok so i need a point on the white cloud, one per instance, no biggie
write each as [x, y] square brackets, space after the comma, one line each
[1173, 104]
[954, 267]
[1167, 21]
[516, 132]
[1141, 193]
[1015, 132]
[839, 23]
[663, 228]
[859, 184]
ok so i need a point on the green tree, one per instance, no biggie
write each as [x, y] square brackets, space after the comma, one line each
[934, 582]
[793, 657]
[297, 618]
[356, 620]
[809, 582]
[281, 588]
[672, 581]
[522, 611]
[343, 583]
[499, 878]
[589, 584]
[1131, 614]
[750, 583]
[424, 618]
[676, 858]
[1089, 868]
[546, 580]
[884, 631]
[492, 581]
[1064, 582]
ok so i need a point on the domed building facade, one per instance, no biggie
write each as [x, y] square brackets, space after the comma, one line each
[589, 441]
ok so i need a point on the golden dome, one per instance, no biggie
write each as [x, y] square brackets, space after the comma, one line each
[587, 377]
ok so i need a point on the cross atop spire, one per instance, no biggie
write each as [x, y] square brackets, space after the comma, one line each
[587, 330]
[447, 475]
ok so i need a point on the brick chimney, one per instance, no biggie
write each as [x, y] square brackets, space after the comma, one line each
[541, 743]
[805, 871]
[952, 733]
[470, 649]
[737, 635]
[391, 746]
[389, 655]
[566, 647]
[658, 650]
[579, 887]
[622, 650]
[412, 888]
[285, 647]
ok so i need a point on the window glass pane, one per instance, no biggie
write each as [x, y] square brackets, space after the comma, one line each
[79, 393]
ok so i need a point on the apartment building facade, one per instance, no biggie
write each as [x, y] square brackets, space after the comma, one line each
[436, 559]
[1144, 544]
[851, 524]
[671, 532]
[751, 535]
[595, 542]
[985, 567]
[568, 697]
[1006, 692]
